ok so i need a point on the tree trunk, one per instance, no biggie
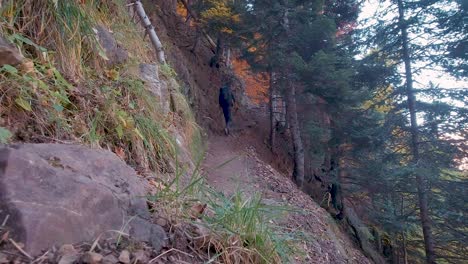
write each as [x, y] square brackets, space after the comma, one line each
[272, 92]
[405, 251]
[378, 241]
[421, 183]
[150, 31]
[228, 58]
[217, 58]
[299, 165]
[395, 253]
[298, 173]
[339, 167]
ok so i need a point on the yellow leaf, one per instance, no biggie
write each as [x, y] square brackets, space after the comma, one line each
[124, 122]
[112, 74]
[24, 104]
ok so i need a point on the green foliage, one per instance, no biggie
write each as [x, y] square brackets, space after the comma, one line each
[441, 129]
[167, 71]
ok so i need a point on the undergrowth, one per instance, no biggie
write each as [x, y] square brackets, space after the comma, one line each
[235, 229]
[69, 93]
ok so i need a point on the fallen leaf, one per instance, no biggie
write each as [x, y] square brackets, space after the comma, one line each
[197, 210]
[112, 74]
[5, 236]
[120, 152]
[27, 66]
[124, 257]
[157, 185]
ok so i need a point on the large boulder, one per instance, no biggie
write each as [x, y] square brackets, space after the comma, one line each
[56, 194]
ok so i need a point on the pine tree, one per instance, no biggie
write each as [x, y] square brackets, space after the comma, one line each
[426, 149]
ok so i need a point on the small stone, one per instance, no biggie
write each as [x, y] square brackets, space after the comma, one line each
[161, 222]
[91, 258]
[3, 258]
[67, 249]
[141, 256]
[124, 257]
[67, 254]
[68, 259]
[110, 259]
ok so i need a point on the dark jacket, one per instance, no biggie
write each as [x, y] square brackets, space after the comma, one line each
[226, 99]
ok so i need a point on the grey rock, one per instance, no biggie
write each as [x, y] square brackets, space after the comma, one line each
[114, 52]
[57, 194]
[9, 54]
[143, 230]
[157, 87]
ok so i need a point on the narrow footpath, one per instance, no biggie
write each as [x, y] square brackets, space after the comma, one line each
[236, 162]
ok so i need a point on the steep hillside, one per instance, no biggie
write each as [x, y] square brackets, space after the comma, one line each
[250, 167]
[102, 147]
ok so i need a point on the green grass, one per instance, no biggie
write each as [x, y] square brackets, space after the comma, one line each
[167, 71]
[240, 229]
[250, 223]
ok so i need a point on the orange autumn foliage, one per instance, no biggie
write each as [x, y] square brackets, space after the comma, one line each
[181, 10]
[256, 84]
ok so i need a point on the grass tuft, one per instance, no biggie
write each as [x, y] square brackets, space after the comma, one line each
[234, 229]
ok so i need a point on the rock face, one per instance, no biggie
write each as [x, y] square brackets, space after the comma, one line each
[158, 88]
[9, 54]
[57, 194]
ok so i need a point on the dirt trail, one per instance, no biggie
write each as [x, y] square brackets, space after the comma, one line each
[228, 168]
[242, 156]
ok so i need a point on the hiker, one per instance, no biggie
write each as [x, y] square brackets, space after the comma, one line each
[226, 101]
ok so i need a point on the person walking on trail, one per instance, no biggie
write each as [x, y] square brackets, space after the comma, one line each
[226, 101]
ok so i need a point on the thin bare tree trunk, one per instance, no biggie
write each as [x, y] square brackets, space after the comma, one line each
[421, 183]
[405, 250]
[378, 241]
[228, 58]
[150, 30]
[395, 253]
[272, 93]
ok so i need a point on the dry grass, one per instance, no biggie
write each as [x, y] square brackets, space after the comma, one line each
[69, 94]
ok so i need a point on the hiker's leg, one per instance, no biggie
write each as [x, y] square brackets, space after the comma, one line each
[227, 118]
